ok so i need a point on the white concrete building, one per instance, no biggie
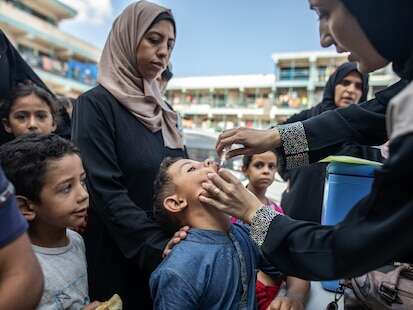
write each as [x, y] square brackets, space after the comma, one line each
[65, 63]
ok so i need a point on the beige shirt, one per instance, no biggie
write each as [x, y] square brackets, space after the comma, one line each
[399, 115]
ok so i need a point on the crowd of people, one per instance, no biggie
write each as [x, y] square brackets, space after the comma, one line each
[98, 197]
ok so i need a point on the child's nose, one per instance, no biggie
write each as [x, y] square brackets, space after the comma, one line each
[32, 123]
[210, 163]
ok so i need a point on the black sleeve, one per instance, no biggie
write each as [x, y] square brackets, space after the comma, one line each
[376, 231]
[136, 235]
[322, 135]
[306, 114]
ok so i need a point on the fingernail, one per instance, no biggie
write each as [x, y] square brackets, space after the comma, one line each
[210, 175]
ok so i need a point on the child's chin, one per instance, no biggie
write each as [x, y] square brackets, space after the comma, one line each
[76, 224]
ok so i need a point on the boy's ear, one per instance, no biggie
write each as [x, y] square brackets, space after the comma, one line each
[174, 204]
[54, 125]
[6, 126]
[26, 207]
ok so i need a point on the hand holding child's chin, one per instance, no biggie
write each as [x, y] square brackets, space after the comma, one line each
[226, 193]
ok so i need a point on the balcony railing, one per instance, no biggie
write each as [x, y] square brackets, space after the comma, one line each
[294, 74]
[85, 73]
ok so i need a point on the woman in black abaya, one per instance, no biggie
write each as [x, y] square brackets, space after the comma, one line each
[379, 228]
[304, 198]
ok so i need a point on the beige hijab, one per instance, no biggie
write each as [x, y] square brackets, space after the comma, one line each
[119, 75]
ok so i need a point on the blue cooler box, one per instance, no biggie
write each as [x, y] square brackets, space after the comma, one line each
[346, 184]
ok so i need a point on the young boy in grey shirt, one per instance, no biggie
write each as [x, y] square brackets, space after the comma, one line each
[49, 179]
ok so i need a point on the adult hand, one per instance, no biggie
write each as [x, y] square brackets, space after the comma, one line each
[285, 303]
[178, 236]
[255, 141]
[226, 193]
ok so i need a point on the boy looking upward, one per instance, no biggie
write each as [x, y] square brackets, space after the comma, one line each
[215, 266]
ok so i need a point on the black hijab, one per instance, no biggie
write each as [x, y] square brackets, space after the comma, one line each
[14, 69]
[329, 92]
[305, 197]
[389, 26]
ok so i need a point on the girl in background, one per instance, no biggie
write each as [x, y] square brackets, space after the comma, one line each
[260, 171]
[27, 108]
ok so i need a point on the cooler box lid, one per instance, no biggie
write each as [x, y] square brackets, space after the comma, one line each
[351, 169]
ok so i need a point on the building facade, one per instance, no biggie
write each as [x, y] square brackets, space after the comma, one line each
[65, 63]
[222, 102]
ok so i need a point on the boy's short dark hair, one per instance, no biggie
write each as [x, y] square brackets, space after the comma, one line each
[25, 161]
[164, 187]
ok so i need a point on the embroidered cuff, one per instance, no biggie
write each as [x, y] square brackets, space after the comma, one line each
[297, 161]
[260, 224]
[293, 138]
[295, 145]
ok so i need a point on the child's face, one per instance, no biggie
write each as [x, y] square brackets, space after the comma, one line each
[261, 170]
[29, 114]
[64, 198]
[188, 175]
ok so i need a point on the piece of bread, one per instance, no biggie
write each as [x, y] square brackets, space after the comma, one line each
[115, 303]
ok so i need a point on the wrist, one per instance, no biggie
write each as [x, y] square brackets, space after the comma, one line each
[298, 297]
[249, 215]
[274, 138]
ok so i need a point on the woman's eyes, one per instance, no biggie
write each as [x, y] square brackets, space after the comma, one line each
[158, 40]
[191, 169]
[154, 40]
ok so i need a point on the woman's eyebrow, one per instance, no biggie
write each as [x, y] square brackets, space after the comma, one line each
[154, 32]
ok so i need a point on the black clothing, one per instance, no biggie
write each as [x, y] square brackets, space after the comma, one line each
[388, 25]
[14, 69]
[121, 157]
[64, 124]
[311, 251]
[362, 124]
[304, 199]
[377, 230]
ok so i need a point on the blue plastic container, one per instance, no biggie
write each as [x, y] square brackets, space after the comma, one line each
[346, 184]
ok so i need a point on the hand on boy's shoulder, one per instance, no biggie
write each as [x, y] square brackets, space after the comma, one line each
[177, 237]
